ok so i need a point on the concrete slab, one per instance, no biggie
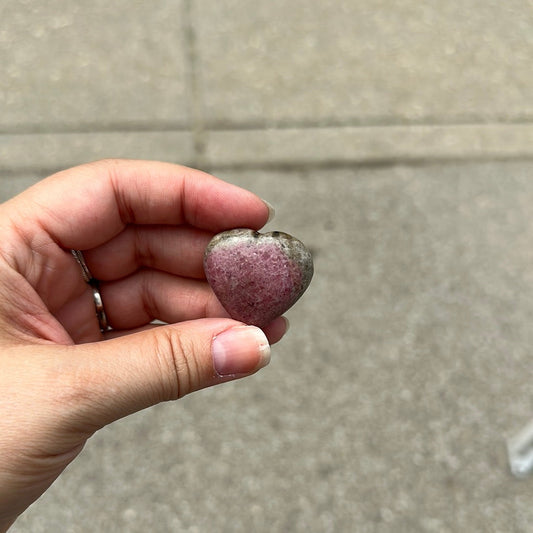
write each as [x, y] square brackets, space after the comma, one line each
[357, 62]
[296, 147]
[56, 151]
[71, 66]
[387, 406]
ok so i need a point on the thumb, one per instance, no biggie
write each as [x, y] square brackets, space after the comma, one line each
[60, 395]
[123, 375]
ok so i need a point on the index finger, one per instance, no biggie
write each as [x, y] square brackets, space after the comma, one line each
[85, 206]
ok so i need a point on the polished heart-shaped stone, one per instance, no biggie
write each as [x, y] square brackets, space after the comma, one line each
[257, 276]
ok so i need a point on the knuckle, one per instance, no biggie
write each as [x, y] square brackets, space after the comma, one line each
[176, 357]
[143, 252]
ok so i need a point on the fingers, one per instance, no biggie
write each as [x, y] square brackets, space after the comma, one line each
[86, 206]
[134, 302]
[111, 379]
[148, 294]
[177, 250]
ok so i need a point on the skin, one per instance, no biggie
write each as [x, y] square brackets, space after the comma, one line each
[143, 227]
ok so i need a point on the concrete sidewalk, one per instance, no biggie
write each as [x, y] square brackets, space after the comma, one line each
[396, 139]
[236, 83]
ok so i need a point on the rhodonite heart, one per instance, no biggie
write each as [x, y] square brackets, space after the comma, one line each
[257, 276]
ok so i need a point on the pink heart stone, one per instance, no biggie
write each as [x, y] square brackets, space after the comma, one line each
[256, 276]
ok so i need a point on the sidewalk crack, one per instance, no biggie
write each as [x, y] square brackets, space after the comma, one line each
[194, 85]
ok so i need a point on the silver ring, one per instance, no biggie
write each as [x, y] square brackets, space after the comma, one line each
[95, 286]
[87, 276]
[99, 306]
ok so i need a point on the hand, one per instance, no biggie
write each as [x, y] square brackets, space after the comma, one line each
[143, 227]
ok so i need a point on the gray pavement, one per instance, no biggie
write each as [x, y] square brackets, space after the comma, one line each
[396, 140]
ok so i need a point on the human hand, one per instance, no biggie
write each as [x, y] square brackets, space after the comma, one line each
[143, 227]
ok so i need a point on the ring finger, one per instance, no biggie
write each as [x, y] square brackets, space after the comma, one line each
[148, 294]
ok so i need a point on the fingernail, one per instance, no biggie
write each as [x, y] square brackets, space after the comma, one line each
[240, 350]
[271, 211]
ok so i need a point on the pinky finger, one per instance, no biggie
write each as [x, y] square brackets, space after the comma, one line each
[276, 329]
